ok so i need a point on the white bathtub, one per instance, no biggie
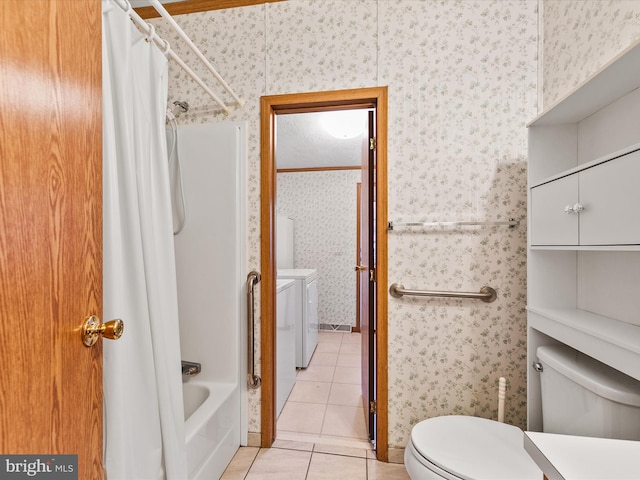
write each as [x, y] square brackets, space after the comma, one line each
[211, 433]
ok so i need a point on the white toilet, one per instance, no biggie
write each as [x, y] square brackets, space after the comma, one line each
[580, 396]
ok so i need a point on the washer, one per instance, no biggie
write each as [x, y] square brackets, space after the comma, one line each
[306, 311]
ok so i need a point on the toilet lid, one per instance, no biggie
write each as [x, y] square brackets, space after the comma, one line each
[474, 448]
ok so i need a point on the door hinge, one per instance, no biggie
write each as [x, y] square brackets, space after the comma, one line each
[373, 406]
[372, 275]
[373, 143]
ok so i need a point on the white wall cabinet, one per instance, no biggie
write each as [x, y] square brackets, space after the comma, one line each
[551, 222]
[597, 205]
[583, 274]
[610, 196]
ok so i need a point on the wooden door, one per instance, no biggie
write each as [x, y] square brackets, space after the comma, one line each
[367, 270]
[50, 229]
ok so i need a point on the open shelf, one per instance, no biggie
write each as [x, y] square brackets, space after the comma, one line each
[606, 339]
[616, 79]
[583, 157]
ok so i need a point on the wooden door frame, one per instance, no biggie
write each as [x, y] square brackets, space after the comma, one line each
[270, 106]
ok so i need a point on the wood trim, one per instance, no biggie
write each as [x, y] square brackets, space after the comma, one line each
[375, 97]
[194, 6]
[314, 169]
[268, 283]
[382, 220]
[324, 101]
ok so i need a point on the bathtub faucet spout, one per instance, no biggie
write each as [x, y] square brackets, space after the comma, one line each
[191, 368]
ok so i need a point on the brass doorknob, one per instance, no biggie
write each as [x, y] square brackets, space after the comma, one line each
[94, 328]
[360, 268]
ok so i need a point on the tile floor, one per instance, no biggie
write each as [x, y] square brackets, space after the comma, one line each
[321, 432]
[325, 405]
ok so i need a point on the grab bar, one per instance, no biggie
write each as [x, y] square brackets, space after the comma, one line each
[486, 294]
[253, 380]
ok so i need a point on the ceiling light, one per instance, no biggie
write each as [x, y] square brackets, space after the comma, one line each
[344, 123]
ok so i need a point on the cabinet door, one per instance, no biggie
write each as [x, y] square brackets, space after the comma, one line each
[550, 225]
[610, 195]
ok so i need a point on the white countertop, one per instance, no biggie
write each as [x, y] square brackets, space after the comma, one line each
[568, 457]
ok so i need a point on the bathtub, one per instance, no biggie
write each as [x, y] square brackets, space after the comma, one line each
[212, 436]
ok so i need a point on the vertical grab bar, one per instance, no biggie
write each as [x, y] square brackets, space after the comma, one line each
[253, 380]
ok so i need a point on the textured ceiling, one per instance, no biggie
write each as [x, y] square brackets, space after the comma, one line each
[303, 141]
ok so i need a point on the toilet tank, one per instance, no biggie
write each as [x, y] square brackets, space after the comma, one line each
[582, 396]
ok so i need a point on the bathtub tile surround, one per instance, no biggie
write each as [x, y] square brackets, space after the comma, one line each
[462, 84]
[580, 37]
[322, 205]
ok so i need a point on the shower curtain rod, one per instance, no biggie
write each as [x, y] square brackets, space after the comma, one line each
[167, 16]
[163, 45]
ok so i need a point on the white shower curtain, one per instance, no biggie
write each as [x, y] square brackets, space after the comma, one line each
[144, 420]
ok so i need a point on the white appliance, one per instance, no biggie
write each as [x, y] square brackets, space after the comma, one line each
[286, 351]
[284, 242]
[306, 312]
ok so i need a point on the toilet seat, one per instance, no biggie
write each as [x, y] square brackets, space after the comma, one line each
[472, 448]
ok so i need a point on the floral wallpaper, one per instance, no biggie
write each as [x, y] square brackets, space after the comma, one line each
[462, 84]
[580, 37]
[323, 206]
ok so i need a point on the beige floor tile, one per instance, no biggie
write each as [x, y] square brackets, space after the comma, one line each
[310, 392]
[351, 348]
[240, 463]
[386, 471]
[332, 467]
[292, 444]
[352, 338]
[348, 360]
[330, 337]
[343, 421]
[328, 347]
[278, 464]
[340, 450]
[362, 443]
[298, 437]
[301, 417]
[347, 375]
[347, 394]
[316, 373]
[321, 358]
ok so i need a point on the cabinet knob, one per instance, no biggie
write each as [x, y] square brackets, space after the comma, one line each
[577, 208]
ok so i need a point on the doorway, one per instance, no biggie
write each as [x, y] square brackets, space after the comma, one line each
[318, 160]
[374, 99]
